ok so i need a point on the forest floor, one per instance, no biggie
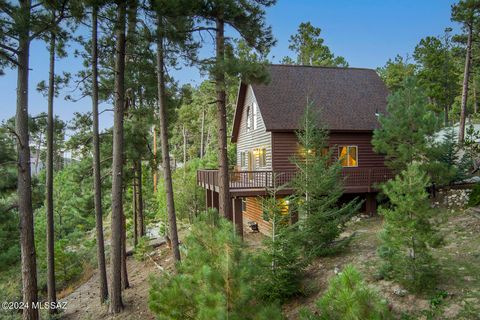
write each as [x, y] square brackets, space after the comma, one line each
[83, 303]
[457, 295]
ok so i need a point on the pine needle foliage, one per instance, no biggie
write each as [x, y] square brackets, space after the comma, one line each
[318, 187]
[215, 280]
[349, 298]
[280, 263]
[408, 231]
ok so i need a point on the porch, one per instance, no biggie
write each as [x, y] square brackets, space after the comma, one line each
[257, 183]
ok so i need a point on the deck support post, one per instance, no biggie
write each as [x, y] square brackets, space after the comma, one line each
[371, 204]
[215, 200]
[237, 215]
[208, 199]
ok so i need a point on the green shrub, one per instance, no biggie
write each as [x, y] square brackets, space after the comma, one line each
[474, 199]
[349, 298]
[142, 249]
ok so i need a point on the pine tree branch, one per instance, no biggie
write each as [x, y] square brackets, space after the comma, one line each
[8, 48]
[9, 58]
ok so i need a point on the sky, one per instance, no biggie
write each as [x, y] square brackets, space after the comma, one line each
[366, 32]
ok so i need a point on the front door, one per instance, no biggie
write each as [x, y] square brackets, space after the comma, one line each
[251, 164]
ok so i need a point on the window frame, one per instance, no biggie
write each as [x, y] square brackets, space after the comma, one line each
[262, 157]
[249, 120]
[254, 115]
[348, 152]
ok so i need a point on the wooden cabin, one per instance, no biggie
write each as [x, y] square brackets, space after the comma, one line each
[266, 119]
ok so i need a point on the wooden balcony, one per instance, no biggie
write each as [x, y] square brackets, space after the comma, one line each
[356, 180]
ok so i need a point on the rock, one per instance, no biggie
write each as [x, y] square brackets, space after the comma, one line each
[400, 292]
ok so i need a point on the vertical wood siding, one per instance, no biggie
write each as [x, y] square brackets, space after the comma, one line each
[284, 146]
[258, 138]
[253, 212]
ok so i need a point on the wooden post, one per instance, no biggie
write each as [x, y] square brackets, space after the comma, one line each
[237, 216]
[371, 204]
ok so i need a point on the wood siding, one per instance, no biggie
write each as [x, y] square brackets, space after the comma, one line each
[253, 212]
[255, 138]
[284, 146]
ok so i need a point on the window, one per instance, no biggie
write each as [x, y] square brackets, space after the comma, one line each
[262, 157]
[244, 204]
[254, 115]
[348, 156]
[243, 161]
[249, 119]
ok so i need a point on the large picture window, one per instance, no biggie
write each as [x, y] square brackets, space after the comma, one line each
[348, 156]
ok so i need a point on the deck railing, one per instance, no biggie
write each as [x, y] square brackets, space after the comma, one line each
[353, 177]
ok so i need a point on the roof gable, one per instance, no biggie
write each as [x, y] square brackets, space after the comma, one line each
[347, 98]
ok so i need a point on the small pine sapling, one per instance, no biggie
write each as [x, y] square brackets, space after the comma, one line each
[349, 298]
[408, 231]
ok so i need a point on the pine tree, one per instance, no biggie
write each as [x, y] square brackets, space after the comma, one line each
[408, 232]
[216, 279]
[97, 183]
[318, 188]
[406, 132]
[349, 298]
[248, 18]
[280, 263]
[311, 50]
[116, 304]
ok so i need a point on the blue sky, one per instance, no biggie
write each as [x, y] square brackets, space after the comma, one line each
[366, 32]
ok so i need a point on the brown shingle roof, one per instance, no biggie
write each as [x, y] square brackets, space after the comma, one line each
[347, 98]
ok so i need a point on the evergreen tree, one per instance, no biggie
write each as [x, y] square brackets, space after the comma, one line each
[406, 131]
[318, 188]
[408, 232]
[280, 263]
[216, 279]
[349, 298]
[437, 72]
[395, 72]
[248, 19]
[466, 12]
[116, 304]
[311, 50]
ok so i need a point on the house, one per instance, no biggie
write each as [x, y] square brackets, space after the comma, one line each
[267, 117]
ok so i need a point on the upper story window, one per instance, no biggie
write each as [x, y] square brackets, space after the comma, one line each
[254, 115]
[348, 156]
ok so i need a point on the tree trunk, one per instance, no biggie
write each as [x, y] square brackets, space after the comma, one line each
[223, 183]
[162, 111]
[202, 134]
[97, 180]
[24, 182]
[51, 292]
[116, 304]
[135, 213]
[475, 101]
[463, 112]
[139, 200]
[125, 283]
[155, 170]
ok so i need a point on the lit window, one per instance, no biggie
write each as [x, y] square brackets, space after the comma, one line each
[348, 156]
[262, 157]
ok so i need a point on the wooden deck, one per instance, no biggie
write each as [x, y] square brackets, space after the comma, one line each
[256, 183]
